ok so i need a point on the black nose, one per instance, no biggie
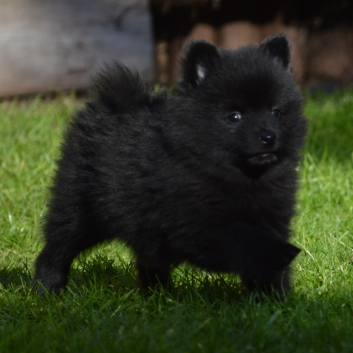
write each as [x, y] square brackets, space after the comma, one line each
[268, 137]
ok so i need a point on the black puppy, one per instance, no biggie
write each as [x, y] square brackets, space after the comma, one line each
[207, 175]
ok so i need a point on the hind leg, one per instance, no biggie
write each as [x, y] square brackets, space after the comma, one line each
[65, 240]
[52, 268]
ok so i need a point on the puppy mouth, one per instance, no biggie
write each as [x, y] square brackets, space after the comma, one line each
[263, 158]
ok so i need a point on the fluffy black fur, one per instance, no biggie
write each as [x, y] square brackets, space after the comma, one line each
[207, 175]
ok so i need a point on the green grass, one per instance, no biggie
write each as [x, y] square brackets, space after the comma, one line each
[102, 312]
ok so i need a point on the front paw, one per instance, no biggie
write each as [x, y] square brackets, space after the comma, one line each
[282, 256]
[269, 272]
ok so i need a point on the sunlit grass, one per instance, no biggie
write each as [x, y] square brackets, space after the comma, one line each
[101, 311]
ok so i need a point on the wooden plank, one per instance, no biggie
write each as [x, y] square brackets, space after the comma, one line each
[50, 45]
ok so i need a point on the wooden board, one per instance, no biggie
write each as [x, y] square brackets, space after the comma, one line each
[48, 45]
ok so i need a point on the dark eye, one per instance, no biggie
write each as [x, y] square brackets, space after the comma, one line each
[234, 117]
[276, 113]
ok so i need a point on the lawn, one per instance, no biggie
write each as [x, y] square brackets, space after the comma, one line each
[102, 311]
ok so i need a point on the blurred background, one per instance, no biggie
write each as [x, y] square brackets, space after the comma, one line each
[54, 45]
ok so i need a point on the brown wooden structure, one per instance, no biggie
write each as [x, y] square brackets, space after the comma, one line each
[320, 31]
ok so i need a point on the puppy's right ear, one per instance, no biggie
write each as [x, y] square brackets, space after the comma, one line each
[199, 60]
[277, 47]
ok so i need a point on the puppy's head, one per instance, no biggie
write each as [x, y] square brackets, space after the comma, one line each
[243, 105]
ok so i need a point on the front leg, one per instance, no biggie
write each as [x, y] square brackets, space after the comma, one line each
[280, 284]
[259, 256]
[268, 269]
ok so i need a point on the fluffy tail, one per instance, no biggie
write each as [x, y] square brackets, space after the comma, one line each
[121, 90]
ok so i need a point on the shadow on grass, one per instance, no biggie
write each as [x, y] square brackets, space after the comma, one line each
[100, 273]
[15, 276]
[97, 271]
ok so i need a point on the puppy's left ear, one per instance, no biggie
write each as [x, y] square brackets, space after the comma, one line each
[278, 47]
[199, 60]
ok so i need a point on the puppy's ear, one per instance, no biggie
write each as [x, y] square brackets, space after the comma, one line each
[278, 47]
[199, 60]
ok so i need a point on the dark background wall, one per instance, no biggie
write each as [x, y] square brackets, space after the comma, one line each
[321, 33]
